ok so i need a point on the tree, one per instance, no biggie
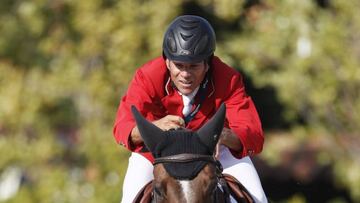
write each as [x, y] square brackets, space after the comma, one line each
[65, 64]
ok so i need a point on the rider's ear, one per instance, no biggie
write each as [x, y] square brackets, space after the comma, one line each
[167, 62]
[210, 133]
[207, 66]
[150, 133]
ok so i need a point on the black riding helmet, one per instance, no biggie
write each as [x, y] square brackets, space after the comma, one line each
[189, 39]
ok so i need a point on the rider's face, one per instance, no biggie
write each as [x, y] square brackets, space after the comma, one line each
[187, 76]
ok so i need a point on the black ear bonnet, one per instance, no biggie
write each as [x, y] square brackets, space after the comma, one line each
[167, 143]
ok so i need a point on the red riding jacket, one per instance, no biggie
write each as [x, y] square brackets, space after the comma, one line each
[152, 92]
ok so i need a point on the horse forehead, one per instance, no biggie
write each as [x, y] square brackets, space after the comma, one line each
[187, 190]
[200, 188]
[196, 189]
[204, 177]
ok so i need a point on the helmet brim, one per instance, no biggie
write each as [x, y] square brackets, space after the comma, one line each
[185, 58]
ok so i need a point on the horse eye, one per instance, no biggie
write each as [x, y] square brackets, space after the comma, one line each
[158, 191]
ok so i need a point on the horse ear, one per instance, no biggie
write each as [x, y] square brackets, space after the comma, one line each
[210, 133]
[150, 133]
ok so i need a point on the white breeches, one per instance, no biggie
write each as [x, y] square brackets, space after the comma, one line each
[140, 172]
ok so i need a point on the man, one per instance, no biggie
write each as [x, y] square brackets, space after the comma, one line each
[184, 88]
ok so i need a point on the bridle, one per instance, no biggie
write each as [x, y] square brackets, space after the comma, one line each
[155, 139]
[186, 158]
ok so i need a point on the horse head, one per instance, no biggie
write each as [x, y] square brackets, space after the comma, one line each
[184, 168]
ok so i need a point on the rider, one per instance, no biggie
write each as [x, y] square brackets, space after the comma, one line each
[184, 88]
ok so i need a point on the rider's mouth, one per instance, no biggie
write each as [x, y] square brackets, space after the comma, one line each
[186, 83]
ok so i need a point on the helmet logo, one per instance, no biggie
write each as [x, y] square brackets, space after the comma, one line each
[185, 52]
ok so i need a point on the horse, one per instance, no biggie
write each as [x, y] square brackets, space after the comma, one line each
[185, 170]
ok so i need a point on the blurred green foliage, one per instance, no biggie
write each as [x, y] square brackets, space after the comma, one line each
[65, 64]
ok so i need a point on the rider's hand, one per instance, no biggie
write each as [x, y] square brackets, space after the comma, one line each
[228, 139]
[170, 122]
[220, 142]
[166, 123]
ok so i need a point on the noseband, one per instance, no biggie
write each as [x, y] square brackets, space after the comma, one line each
[186, 158]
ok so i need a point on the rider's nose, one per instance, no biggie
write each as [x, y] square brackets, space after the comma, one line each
[185, 73]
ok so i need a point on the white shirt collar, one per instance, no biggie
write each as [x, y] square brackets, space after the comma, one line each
[187, 101]
[190, 96]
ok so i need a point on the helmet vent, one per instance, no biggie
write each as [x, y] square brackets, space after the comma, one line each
[186, 37]
[171, 42]
[189, 26]
[201, 45]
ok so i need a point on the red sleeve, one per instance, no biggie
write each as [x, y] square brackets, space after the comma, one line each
[140, 93]
[243, 119]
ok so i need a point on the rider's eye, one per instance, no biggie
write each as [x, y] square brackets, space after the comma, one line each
[179, 65]
[159, 195]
